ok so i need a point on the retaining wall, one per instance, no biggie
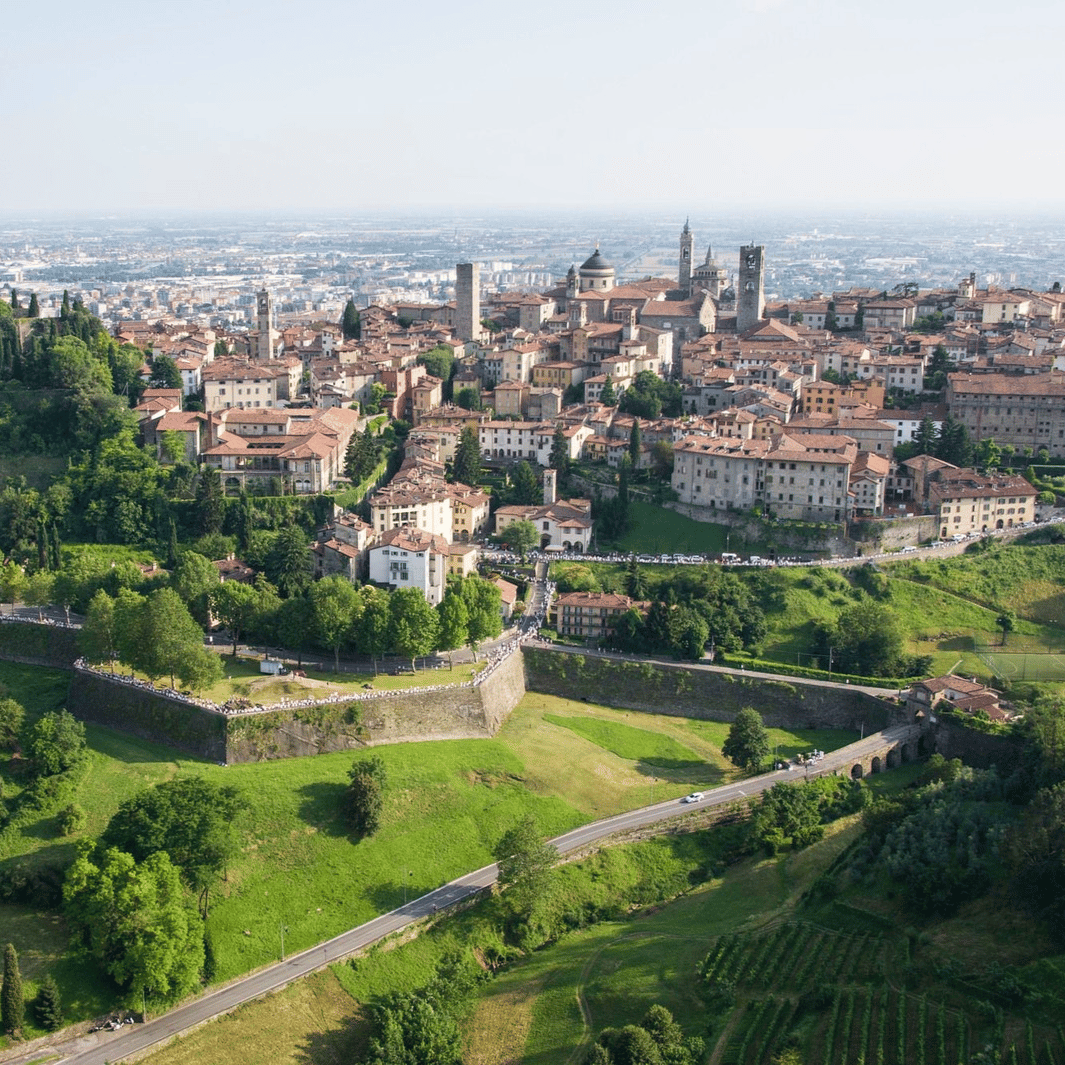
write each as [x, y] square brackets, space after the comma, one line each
[682, 692]
[462, 712]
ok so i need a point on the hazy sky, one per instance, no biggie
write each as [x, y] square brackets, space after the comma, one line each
[324, 104]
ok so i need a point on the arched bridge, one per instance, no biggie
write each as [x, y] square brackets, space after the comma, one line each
[872, 754]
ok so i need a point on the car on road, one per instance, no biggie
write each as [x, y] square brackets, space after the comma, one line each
[695, 796]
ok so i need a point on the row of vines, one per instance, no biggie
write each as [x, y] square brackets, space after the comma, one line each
[830, 995]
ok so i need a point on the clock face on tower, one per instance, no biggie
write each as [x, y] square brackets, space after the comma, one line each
[751, 262]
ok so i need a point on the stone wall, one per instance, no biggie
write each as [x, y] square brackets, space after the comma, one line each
[979, 749]
[683, 692]
[147, 713]
[459, 712]
[38, 645]
[887, 534]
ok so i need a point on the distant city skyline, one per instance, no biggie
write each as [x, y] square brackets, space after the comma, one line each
[788, 105]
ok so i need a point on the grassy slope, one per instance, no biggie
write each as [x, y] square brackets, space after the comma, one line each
[447, 803]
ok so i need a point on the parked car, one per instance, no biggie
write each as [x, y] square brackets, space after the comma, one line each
[695, 796]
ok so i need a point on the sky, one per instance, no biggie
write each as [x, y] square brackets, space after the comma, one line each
[692, 105]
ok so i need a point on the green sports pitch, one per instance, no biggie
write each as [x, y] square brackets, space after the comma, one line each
[1024, 665]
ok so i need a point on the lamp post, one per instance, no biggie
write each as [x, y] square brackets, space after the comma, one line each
[284, 928]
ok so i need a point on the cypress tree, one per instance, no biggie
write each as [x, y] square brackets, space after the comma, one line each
[34, 310]
[54, 549]
[42, 545]
[12, 1004]
[172, 557]
[14, 301]
[48, 1006]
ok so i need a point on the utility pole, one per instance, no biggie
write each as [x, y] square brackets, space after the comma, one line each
[281, 925]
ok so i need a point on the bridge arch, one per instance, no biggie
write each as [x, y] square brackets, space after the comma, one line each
[857, 772]
[875, 765]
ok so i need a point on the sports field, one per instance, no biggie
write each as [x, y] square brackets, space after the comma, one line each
[1024, 665]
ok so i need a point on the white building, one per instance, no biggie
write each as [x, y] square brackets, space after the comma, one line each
[411, 558]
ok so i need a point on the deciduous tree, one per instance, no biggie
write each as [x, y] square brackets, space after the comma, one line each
[747, 743]
[337, 606]
[524, 860]
[412, 624]
[135, 922]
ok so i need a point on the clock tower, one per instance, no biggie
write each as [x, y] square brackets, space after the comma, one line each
[750, 293]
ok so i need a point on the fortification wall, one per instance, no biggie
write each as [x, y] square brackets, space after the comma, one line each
[38, 645]
[978, 749]
[682, 692]
[147, 713]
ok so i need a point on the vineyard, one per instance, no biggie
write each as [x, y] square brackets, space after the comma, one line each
[832, 996]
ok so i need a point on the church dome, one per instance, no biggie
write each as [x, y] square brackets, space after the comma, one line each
[596, 263]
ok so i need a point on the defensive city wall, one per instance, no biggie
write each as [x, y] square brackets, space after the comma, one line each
[469, 710]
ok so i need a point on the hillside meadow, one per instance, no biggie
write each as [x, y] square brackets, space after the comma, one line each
[446, 805]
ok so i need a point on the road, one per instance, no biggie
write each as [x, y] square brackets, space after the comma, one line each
[102, 1047]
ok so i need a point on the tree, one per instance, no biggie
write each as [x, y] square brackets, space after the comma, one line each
[831, 318]
[288, 565]
[1006, 621]
[524, 860]
[925, 437]
[365, 795]
[12, 1004]
[192, 819]
[34, 309]
[412, 624]
[194, 579]
[788, 813]
[37, 591]
[56, 742]
[294, 625]
[608, 396]
[521, 537]
[48, 1006]
[371, 629]
[360, 459]
[636, 586]
[747, 743]
[524, 488]
[987, 454]
[236, 606]
[12, 715]
[483, 609]
[867, 639]
[337, 606]
[350, 325]
[98, 638]
[454, 625]
[635, 443]
[168, 640]
[468, 397]
[133, 919]
[164, 373]
[210, 504]
[560, 460]
[467, 465]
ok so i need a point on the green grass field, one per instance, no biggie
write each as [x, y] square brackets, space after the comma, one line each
[1013, 665]
[566, 763]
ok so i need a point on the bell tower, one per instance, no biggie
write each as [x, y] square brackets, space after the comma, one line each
[264, 326]
[687, 243]
[750, 296]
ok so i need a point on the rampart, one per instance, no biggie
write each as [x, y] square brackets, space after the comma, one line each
[459, 711]
[683, 692]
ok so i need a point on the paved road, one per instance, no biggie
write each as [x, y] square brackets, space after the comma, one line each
[102, 1047]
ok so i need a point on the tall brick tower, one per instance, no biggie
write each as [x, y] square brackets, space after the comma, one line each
[687, 243]
[750, 295]
[468, 301]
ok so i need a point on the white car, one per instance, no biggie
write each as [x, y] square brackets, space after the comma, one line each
[695, 796]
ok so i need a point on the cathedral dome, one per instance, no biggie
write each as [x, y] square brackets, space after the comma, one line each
[596, 263]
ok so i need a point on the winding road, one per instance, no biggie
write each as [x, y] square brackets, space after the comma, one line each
[102, 1047]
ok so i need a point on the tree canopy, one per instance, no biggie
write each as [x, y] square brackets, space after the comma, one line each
[134, 920]
[747, 743]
